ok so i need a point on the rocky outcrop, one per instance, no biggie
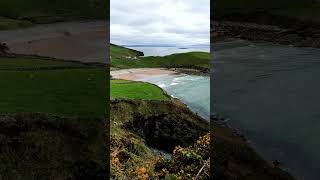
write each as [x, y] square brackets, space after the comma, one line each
[301, 35]
[165, 131]
[3, 49]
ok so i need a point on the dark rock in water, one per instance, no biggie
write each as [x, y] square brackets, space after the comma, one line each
[218, 119]
[3, 48]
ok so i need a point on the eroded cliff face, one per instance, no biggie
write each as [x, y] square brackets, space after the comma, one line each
[139, 126]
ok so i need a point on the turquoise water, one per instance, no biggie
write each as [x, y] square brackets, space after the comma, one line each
[192, 90]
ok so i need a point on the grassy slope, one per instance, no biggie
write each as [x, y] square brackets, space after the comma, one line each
[145, 105]
[40, 146]
[258, 11]
[118, 52]
[66, 138]
[61, 92]
[28, 62]
[136, 90]
[132, 149]
[197, 60]
[21, 13]
[67, 92]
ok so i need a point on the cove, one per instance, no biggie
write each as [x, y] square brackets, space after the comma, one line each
[271, 94]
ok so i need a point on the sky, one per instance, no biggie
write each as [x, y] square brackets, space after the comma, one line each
[160, 22]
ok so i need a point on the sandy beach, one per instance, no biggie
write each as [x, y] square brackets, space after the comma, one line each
[80, 41]
[140, 73]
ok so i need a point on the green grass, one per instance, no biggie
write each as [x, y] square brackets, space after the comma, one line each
[67, 92]
[7, 23]
[24, 62]
[136, 90]
[52, 121]
[118, 52]
[47, 11]
[195, 60]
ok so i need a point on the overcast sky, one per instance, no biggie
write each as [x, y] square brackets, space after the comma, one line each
[160, 22]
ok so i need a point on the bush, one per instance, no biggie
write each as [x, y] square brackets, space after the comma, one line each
[188, 163]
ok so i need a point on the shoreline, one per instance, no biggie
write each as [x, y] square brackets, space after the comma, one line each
[247, 89]
[298, 36]
[79, 41]
[137, 74]
[141, 74]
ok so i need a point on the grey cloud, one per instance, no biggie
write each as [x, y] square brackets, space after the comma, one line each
[171, 22]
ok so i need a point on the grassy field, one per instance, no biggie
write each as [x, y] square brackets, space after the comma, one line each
[266, 11]
[195, 60]
[29, 62]
[52, 119]
[21, 13]
[68, 92]
[136, 90]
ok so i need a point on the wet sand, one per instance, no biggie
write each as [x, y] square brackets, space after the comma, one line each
[80, 41]
[140, 73]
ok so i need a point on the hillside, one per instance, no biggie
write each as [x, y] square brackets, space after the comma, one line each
[20, 13]
[120, 52]
[52, 119]
[140, 126]
[192, 60]
[145, 120]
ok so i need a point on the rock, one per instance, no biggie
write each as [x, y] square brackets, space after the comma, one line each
[3, 48]
[299, 35]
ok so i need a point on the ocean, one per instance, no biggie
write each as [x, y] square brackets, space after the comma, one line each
[271, 94]
[192, 90]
